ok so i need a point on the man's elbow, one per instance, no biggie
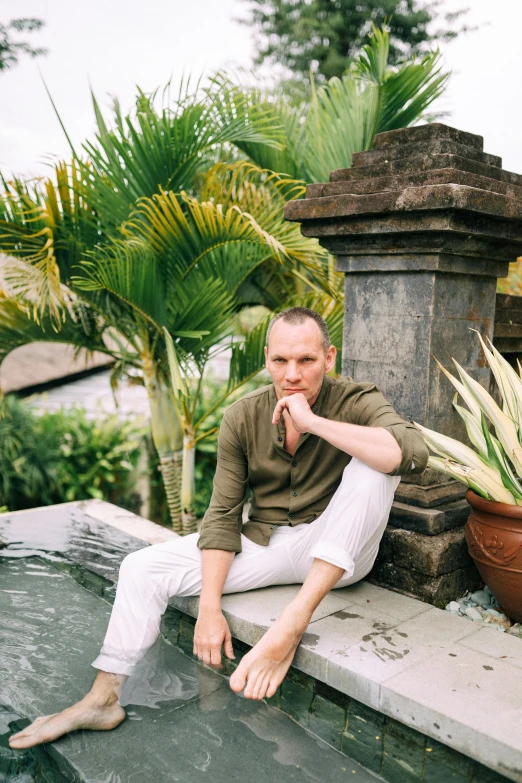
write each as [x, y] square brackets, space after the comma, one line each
[395, 460]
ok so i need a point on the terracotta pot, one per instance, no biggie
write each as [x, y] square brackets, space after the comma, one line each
[494, 537]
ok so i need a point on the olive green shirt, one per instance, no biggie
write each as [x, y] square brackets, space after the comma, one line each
[286, 489]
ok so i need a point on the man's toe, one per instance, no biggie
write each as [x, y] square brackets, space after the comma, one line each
[238, 680]
[271, 690]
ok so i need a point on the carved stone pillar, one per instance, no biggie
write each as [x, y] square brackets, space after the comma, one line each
[422, 226]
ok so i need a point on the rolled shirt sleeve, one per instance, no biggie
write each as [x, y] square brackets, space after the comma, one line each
[222, 523]
[371, 409]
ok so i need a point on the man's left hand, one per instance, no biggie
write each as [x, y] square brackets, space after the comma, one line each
[297, 407]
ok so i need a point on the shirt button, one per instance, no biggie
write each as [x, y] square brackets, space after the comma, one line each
[294, 463]
[294, 493]
[291, 516]
[279, 438]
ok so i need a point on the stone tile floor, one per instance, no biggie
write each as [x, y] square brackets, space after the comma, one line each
[432, 671]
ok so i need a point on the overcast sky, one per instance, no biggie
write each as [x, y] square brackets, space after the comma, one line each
[114, 45]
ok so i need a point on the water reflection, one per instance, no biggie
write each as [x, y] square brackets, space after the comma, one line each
[66, 532]
[153, 681]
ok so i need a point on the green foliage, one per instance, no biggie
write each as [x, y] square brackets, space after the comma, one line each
[64, 456]
[336, 119]
[11, 49]
[323, 36]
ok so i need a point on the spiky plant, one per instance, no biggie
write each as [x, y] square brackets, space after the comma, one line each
[494, 470]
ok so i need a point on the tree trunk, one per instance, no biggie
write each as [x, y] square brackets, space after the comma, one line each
[170, 466]
[167, 435]
[188, 484]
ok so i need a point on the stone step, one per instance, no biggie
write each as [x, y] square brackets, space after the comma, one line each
[437, 197]
[429, 131]
[413, 179]
[417, 163]
[424, 149]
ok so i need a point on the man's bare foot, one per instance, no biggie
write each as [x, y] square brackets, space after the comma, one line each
[263, 669]
[89, 713]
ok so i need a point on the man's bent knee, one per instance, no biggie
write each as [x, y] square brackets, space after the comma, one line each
[363, 475]
[137, 563]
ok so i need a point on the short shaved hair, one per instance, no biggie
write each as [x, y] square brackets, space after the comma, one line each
[298, 315]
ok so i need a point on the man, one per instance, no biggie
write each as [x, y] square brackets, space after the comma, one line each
[323, 458]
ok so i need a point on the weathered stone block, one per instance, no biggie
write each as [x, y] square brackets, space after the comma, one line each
[327, 720]
[109, 593]
[297, 692]
[447, 757]
[395, 769]
[363, 736]
[170, 625]
[431, 555]
[410, 177]
[404, 749]
[365, 750]
[429, 496]
[186, 635]
[424, 148]
[404, 735]
[429, 521]
[432, 130]
[481, 774]
[93, 582]
[366, 717]
[332, 694]
[438, 590]
[436, 772]
[275, 700]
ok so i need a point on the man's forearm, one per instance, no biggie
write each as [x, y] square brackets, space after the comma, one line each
[374, 446]
[215, 565]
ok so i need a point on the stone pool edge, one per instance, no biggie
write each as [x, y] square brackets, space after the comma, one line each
[374, 737]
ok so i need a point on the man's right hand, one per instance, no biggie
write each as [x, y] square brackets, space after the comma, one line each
[210, 633]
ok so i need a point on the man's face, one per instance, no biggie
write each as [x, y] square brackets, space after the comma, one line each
[296, 359]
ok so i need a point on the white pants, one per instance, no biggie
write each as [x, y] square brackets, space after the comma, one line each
[347, 534]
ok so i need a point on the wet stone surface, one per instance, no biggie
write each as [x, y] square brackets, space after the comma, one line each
[67, 534]
[183, 721]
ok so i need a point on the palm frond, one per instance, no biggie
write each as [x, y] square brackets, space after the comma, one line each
[129, 272]
[343, 116]
[47, 225]
[17, 328]
[248, 355]
[407, 93]
[165, 148]
[184, 230]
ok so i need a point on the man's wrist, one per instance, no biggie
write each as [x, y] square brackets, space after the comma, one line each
[314, 424]
[209, 606]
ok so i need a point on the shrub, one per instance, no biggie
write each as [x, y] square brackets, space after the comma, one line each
[64, 456]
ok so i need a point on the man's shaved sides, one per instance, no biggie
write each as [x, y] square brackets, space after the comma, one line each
[297, 315]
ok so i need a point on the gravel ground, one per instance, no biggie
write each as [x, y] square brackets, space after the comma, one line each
[482, 607]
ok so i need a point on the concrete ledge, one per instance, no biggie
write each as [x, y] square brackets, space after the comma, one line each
[432, 672]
